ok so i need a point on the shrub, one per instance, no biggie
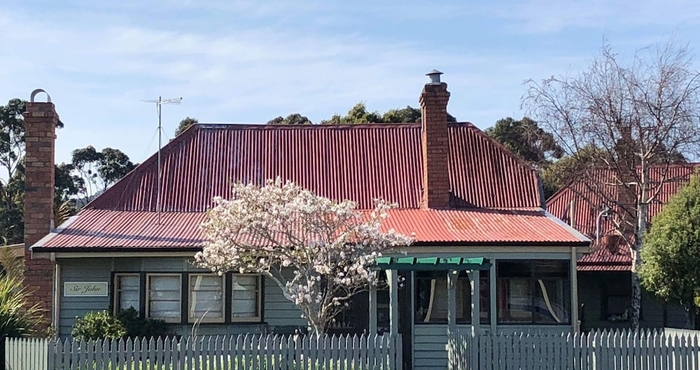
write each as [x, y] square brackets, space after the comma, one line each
[98, 325]
[17, 317]
[140, 327]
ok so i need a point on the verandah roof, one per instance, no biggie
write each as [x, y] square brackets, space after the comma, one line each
[432, 263]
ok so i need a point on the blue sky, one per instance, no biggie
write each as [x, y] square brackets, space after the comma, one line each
[248, 61]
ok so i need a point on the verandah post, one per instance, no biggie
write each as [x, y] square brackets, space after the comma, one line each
[476, 296]
[451, 301]
[372, 309]
[392, 276]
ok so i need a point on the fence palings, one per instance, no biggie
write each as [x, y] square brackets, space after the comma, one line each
[598, 350]
[242, 352]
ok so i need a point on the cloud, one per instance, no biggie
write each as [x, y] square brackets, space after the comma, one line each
[547, 16]
[249, 61]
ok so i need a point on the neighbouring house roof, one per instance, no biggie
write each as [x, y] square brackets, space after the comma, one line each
[495, 196]
[577, 205]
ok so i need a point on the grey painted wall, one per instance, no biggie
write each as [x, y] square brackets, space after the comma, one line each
[279, 314]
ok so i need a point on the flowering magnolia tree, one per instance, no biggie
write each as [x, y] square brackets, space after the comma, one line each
[317, 250]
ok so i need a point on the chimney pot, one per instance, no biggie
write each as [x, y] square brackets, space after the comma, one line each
[434, 76]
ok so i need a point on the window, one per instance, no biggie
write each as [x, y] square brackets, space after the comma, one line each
[127, 291]
[245, 298]
[616, 297]
[164, 294]
[431, 298]
[190, 297]
[533, 292]
[206, 298]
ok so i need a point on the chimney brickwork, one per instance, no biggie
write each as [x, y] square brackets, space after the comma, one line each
[435, 143]
[40, 121]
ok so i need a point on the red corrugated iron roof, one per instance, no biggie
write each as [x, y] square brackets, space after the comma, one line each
[358, 162]
[579, 206]
[107, 229]
[496, 196]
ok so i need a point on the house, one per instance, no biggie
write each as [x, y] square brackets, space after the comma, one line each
[487, 257]
[604, 275]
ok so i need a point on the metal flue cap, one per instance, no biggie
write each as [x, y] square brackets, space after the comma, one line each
[434, 76]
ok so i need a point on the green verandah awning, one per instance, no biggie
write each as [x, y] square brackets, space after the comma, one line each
[432, 263]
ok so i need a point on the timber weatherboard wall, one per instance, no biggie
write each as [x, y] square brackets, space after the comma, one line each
[591, 294]
[279, 314]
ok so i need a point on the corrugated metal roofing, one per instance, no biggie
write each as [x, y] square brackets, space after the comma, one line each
[577, 205]
[357, 162]
[96, 228]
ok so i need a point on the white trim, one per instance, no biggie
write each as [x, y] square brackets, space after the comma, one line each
[573, 272]
[258, 293]
[177, 319]
[192, 301]
[68, 255]
[568, 227]
[57, 298]
[115, 290]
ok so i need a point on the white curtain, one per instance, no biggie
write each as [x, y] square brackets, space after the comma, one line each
[129, 288]
[206, 297]
[164, 297]
[245, 296]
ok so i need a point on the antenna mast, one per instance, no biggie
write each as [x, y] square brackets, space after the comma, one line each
[159, 103]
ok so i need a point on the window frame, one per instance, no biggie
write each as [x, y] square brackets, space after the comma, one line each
[116, 307]
[147, 313]
[532, 281]
[185, 297]
[259, 300]
[192, 319]
[463, 278]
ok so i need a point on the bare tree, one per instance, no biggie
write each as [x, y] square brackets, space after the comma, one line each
[641, 115]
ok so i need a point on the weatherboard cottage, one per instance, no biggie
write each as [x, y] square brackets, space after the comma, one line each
[605, 275]
[487, 256]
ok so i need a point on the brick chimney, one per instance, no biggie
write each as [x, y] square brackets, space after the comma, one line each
[436, 181]
[40, 121]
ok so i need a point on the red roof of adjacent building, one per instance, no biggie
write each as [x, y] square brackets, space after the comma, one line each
[579, 206]
[495, 196]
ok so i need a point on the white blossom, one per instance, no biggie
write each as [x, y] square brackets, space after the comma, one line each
[328, 245]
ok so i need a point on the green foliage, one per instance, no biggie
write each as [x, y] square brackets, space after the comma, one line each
[292, 119]
[100, 169]
[185, 124]
[403, 115]
[359, 114]
[526, 139]
[671, 252]
[136, 326]
[98, 325]
[17, 317]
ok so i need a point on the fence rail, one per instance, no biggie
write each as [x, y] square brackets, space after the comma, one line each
[599, 350]
[243, 352]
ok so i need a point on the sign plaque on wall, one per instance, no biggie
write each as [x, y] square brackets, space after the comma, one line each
[84, 289]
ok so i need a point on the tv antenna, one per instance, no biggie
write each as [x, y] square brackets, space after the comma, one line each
[159, 104]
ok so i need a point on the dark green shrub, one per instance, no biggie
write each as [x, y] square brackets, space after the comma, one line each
[97, 325]
[140, 327]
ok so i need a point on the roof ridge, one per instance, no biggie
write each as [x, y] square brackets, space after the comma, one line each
[264, 126]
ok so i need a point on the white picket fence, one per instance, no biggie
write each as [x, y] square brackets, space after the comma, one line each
[598, 350]
[243, 352]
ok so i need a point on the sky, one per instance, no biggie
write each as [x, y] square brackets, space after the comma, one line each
[247, 61]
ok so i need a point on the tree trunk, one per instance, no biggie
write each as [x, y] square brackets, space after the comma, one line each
[635, 251]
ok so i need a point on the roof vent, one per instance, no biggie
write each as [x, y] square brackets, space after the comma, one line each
[434, 76]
